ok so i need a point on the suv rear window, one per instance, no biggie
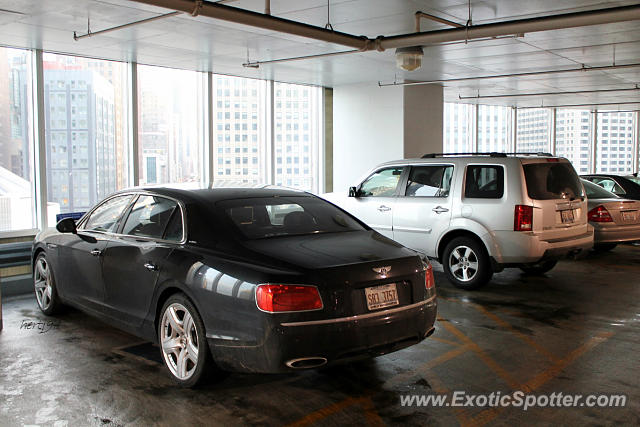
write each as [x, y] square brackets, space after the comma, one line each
[547, 181]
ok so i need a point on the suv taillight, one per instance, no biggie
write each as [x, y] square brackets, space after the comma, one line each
[523, 218]
[279, 298]
[600, 214]
[429, 282]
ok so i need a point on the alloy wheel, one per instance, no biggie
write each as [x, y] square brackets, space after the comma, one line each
[42, 283]
[463, 263]
[179, 341]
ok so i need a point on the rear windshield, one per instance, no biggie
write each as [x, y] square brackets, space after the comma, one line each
[259, 218]
[594, 191]
[547, 181]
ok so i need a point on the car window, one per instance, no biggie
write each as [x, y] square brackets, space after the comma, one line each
[381, 184]
[105, 216]
[609, 185]
[594, 191]
[484, 182]
[634, 179]
[267, 217]
[429, 181]
[552, 180]
[149, 217]
[174, 230]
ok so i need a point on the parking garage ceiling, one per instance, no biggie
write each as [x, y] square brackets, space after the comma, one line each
[206, 44]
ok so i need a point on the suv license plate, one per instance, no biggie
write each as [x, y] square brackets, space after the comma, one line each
[629, 216]
[381, 296]
[567, 216]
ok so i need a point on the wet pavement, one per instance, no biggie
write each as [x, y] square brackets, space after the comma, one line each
[575, 330]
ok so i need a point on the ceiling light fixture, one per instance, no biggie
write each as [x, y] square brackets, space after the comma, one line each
[409, 58]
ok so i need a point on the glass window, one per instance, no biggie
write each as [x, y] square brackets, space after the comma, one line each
[547, 181]
[244, 109]
[573, 137]
[621, 141]
[533, 130]
[171, 136]
[594, 191]
[457, 131]
[494, 128]
[609, 185]
[149, 217]
[381, 184]
[484, 182]
[297, 129]
[284, 216]
[86, 137]
[429, 181]
[17, 205]
[105, 217]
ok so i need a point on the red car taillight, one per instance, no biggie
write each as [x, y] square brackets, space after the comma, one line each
[600, 214]
[279, 298]
[523, 218]
[429, 282]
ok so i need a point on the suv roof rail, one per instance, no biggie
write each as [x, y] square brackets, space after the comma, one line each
[490, 154]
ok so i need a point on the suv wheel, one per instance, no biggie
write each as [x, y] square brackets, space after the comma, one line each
[539, 267]
[466, 263]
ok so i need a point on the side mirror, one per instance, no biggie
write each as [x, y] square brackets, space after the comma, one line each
[353, 192]
[66, 225]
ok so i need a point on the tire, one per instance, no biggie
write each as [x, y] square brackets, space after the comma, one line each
[185, 354]
[540, 267]
[44, 286]
[466, 263]
[604, 247]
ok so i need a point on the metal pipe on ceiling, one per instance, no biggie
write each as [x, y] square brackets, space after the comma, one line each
[519, 26]
[260, 20]
[419, 15]
[523, 74]
[515, 95]
[593, 104]
[120, 27]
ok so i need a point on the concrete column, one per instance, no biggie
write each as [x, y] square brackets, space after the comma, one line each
[423, 114]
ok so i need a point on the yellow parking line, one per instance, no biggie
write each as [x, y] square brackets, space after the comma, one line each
[539, 380]
[325, 412]
[492, 364]
[445, 341]
[370, 413]
[506, 325]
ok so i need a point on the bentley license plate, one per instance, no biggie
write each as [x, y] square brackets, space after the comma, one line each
[567, 216]
[381, 296]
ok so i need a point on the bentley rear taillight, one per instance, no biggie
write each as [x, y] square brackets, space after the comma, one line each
[275, 298]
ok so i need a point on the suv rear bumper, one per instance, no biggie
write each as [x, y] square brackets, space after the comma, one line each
[519, 248]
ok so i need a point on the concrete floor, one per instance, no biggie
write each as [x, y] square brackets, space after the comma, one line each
[575, 330]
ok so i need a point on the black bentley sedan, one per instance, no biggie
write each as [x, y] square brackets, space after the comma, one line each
[258, 280]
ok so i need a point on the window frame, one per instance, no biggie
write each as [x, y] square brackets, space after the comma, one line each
[82, 222]
[402, 180]
[407, 173]
[125, 218]
[125, 214]
[487, 165]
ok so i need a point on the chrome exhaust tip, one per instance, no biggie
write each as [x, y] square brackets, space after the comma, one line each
[306, 362]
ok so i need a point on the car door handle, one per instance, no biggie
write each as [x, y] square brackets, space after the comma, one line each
[96, 252]
[383, 208]
[440, 209]
[151, 267]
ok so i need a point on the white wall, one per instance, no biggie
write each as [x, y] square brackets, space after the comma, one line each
[368, 129]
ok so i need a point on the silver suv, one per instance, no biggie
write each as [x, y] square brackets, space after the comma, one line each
[477, 214]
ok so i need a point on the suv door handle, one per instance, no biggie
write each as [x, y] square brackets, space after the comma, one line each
[383, 208]
[96, 252]
[151, 267]
[440, 209]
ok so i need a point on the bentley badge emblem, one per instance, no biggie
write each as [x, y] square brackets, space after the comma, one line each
[382, 271]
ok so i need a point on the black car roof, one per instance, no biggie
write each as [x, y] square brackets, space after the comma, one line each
[213, 195]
